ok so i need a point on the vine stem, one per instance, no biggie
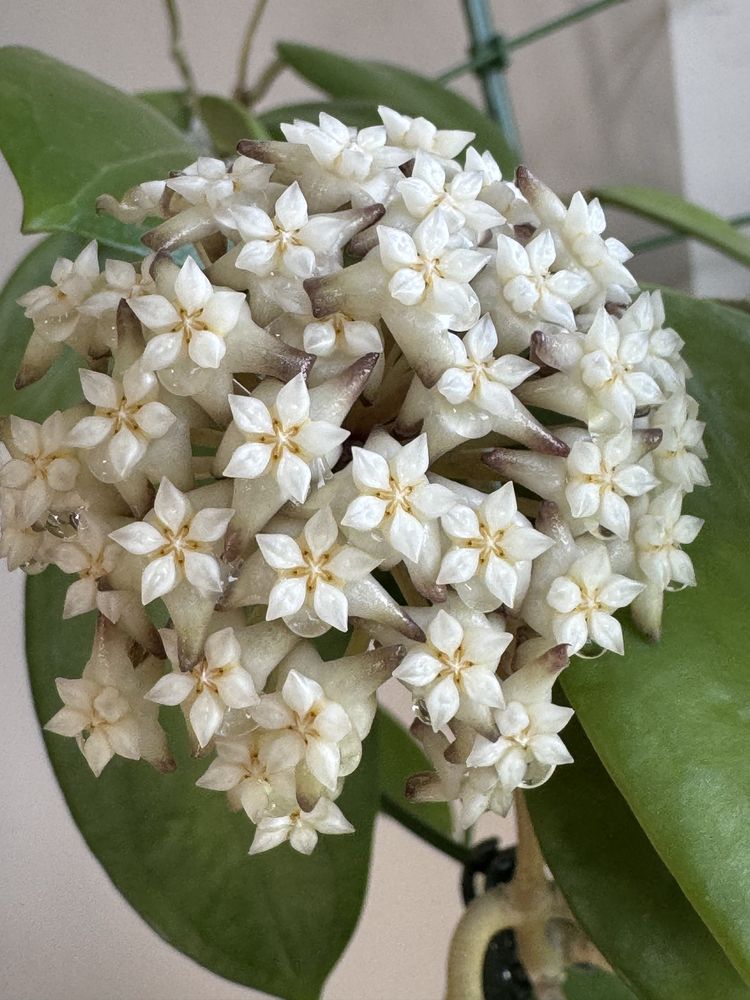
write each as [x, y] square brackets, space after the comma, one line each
[484, 917]
[264, 82]
[240, 92]
[180, 58]
[423, 830]
[561, 22]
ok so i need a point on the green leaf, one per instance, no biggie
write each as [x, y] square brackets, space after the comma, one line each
[595, 984]
[399, 758]
[170, 103]
[356, 114]
[407, 92]
[619, 890]
[69, 138]
[670, 720]
[278, 921]
[60, 387]
[226, 120]
[683, 216]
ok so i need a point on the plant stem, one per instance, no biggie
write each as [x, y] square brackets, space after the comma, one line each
[491, 76]
[560, 22]
[179, 55]
[423, 830]
[264, 81]
[240, 92]
[486, 57]
[485, 916]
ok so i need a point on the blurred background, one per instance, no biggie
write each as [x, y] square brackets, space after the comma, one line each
[651, 92]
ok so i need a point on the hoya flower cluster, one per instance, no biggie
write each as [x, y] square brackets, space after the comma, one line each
[363, 384]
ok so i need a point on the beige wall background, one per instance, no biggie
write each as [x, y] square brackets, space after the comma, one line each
[651, 92]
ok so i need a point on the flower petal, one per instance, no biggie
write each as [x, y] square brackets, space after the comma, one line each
[442, 703]
[207, 349]
[159, 578]
[364, 513]
[202, 570]
[140, 538]
[206, 715]
[170, 505]
[445, 632]
[280, 551]
[286, 598]
[209, 524]
[331, 606]
[172, 689]
[249, 461]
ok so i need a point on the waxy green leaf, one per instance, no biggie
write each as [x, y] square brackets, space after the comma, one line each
[277, 921]
[670, 720]
[404, 91]
[595, 984]
[620, 891]
[68, 138]
[226, 120]
[683, 216]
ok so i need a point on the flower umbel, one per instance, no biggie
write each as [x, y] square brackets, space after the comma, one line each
[362, 384]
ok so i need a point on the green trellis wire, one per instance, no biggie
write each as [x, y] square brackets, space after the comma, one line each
[490, 56]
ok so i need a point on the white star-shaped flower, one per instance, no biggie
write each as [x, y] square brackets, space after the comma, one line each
[127, 417]
[313, 727]
[425, 270]
[529, 285]
[122, 281]
[194, 325]
[105, 709]
[396, 497]
[281, 440]
[178, 542]
[580, 244]
[92, 557]
[54, 308]
[528, 737]
[300, 828]
[313, 572]
[289, 243]
[611, 367]
[678, 456]
[210, 181]
[478, 377]
[428, 188]
[42, 467]
[493, 545]
[216, 683]
[599, 476]
[415, 134]
[455, 664]
[344, 151]
[21, 545]
[245, 770]
[584, 601]
[659, 536]
[340, 334]
[505, 196]
[662, 361]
